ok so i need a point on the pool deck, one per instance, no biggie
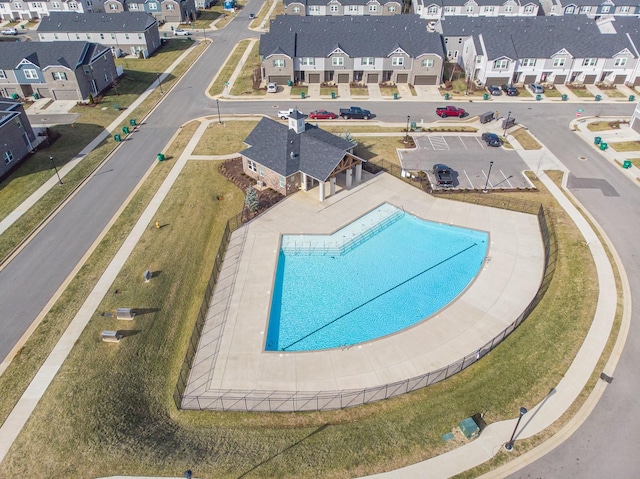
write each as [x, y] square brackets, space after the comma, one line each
[231, 361]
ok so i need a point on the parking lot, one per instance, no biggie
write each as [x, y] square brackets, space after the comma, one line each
[469, 159]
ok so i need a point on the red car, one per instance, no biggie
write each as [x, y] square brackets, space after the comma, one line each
[322, 115]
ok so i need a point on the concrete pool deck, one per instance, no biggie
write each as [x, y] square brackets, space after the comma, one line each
[231, 361]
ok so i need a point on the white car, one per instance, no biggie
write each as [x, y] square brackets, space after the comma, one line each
[181, 32]
[272, 88]
[284, 114]
[9, 31]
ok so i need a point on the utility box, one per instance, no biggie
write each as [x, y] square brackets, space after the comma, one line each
[469, 428]
[487, 117]
[111, 336]
[508, 123]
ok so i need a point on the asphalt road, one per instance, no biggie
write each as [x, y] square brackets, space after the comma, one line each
[602, 447]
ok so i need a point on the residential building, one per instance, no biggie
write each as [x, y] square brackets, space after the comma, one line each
[125, 32]
[434, 10]
[178, 11]
[30, 10]
[342, 7]
[16, 135]
[299, 156]
[557, 49]
[58, 70]
[346, 49]
[591, 8]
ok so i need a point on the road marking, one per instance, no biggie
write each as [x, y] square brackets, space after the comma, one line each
[461, 141]
[506, 178]
[468, 179]
[438, 143]
[481, 143]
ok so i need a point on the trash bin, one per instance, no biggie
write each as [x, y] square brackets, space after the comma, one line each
[632, 98]
[626, 164]
[14, 96]
[395, 96]
[598, 97]
[302, 95]
[447, 96]
[289, 83]
[132, 122]
[22, 27]
[160, 156]
[565, 97]
[538, 97]
[597, 140]
[36, 96]
[413, 126]
[116, 137]
[485, 96]
[603, 146]
[333, 95]
[125, 130]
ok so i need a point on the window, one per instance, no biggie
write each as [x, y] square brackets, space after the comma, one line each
[501, 64]
[589, 62]
[36, 5]
[489, 9]
[308, 61]
[278, 63]
[353, 8]
[18, 122]
[373, 8]
[133, 6]
[261, 170]
[126, 36]
[559, 62]
[102, 36]
[296, 9]
[55, 5]
[86, 69]
[367, 61]
[88, 36]
[170, 7]
[252, 165]
[113, 6]
[139, 36]
[508, 8]
[113, 36]
[585, 9]
[59, 76]
[314, 8]
[569, 10]
[528, 9]
[392, 9]
[337, 61]
[73, 5]
[77, 36]
[3, 74]
[449, 9]
[8, 157]
[333, 8]
[432, 10]
[528, 62]
[282, 182]
[427, 62]
[478, 59]
[624, 9]
[397, 61]
[18, 5]
[605, 9]
[33, 75]
[106, 77]
[469, 8]
[620, 62]
[153, 6]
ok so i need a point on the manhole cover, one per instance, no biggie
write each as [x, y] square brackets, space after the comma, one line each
[582, 158]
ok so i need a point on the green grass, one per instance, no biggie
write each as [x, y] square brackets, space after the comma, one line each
[244, 82]
[359, 90]
[525, 139]
[613, 93]
[388, 90]
[297, 90]
[603, 125]
[262, 14]
[327, 90]
[229, 67]
[207, 16]
[625, 145]
[581, 92]
[552, 93]
[223, 139]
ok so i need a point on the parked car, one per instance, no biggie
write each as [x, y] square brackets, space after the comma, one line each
[355, 112]
[447, 111]
[510, 90]
[322, 115]
[494, 90]
[181, 33]
[9, 31]
[252, 15]
[443, 175]
[536, 88]
[284, 114]
[272, 87]
[491, 139]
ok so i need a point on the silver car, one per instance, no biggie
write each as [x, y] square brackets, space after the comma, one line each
[9, 31]
[536, 88]
[272, 88]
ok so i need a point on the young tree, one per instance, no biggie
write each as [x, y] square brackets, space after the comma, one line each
[251, 199]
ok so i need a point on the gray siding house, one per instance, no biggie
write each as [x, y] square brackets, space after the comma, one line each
[433, 10]
[58, 70]
[342, 7]
[592, 8]
[16, 135]
[177, 11]
[125, 33]
[365, 49]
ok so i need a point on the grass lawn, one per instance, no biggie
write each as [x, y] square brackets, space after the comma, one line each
[388, 90]
[625, 145]
[225, 138]
[524, 92]
[359, 90]
[244, 83]
[413, 90]
[459, 128]
[581, 92]
[207, 16]
[217, 87]
[613, 93]
[603, 125]
[378, 148]
[552, 93]
[297, 90]
[327, 90]
[523, 137]
[266, 6]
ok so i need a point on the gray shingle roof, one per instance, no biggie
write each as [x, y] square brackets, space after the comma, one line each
[96, 22]
[342, 2]
[316, 152]
[358, 36]
[44, 54]
[538, 37]
[9, 109]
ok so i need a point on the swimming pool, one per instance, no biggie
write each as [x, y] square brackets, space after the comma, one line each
[378, 275]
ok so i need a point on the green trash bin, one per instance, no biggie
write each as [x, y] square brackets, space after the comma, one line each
[125, 130]
[15, 96]
[597, 140]
[117, 137]
[414, 126]
[302, 95]
[333, 95]
[598, 97]
[603, 146]
[485, 96]
[132, 122]
[626, 164]
[289, 83]
[395, 96]
[632, 98]
[160, 156]
[538, 97]
[447, 96]
[565, 97]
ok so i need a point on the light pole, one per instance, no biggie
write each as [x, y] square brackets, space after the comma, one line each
[159, 83]
[54, 167]
[406, 137]
[506, 123]
[509, 446]
[218, 105]
[488, 174]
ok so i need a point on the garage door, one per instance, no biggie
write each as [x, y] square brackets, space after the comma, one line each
[403, 78]
[559, 79]
[44, 92]
[279, 79]
[619, 79]
[372, 78]
[343, 78]
[314, 77]
[529, 79]
[496, 81]
[65, 95]
[426, 80]
[589, 79]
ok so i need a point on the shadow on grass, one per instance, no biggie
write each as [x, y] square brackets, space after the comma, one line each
[125, 333]
[142, 311]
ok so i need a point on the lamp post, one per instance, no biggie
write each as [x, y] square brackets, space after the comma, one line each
[506, 123]
[218, 105]
[406, 137]
[159, 83]
[509, 446]
[187, 474]
[488, 174]
[54, 167]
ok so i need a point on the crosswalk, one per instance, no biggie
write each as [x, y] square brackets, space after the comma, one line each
[438, 143]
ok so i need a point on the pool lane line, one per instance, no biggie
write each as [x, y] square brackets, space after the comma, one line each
[378, 296]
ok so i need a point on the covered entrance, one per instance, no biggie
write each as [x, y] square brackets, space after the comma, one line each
[350, 165]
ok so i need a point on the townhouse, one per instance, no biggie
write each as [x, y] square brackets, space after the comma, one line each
[591, 8]
[29, 10]
[180, 11]
[17, 139]
[346, 49]
[342, 7]
[433, 10]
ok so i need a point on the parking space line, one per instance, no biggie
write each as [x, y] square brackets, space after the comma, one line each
[506, 178]
[480, 142]
[438, 143]
[468, 179]
[461, 141]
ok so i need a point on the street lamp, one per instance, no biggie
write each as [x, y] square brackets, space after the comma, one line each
[509, 446]
[506, 124]
[406, 137]
[159, 83]
[54, 167]
[488, 174]
[218, 105]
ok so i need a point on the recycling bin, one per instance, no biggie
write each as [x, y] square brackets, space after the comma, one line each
[395, 96]
[333, 95]
[485, 96]
[598, 97]
[132, 122]
[302, 95]
[597, 140]
[632, 98]
[125, 130]
[289, 83]
[603, 146]
[538, 97]
[117, 137]
[36, 96]
[565, 97]
[447, 96]
[626, 164]
[160, 156]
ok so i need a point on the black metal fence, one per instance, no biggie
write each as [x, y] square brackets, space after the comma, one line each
[286, 401]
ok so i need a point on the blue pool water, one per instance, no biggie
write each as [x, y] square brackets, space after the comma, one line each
[385, 272]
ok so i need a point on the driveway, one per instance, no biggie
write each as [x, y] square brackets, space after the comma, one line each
[474, 164]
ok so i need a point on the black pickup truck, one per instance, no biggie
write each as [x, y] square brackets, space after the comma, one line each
[355, 112]
[443, 175]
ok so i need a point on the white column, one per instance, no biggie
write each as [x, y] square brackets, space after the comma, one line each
[358, 172]
[321, 191]
[303, 181]
[349, 173]
[332, 186]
